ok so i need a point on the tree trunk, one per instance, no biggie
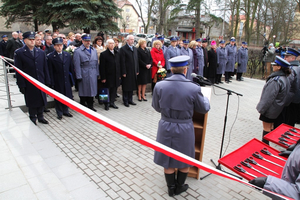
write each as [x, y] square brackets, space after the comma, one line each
[161, 17]
[237, 17]
[36, 25]
[197, 15]
[87, 30]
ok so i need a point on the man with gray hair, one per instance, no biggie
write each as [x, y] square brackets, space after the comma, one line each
[129, 70]
[13, 44]
[269, 58]
[110, 72]
[48, 44]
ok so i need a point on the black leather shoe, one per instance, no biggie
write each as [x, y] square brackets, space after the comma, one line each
[59, 117]
[126, 104]
[140, 100]
[106, 107]
[144, 99]
[113, 106]
[132, 103]
[34, 122]
[68, 115]
[46, 110]
[43, 121]
[221, 82]
[93, 109]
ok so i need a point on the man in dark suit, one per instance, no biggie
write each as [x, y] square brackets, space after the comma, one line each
[129, 69]
[60, 67]
[48, 44]
[32, 61]
[13, 44]
[110, 72]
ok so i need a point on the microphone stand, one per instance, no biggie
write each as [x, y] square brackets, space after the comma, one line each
[229, 92]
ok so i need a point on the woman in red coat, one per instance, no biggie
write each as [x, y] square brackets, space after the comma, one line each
[157, 56]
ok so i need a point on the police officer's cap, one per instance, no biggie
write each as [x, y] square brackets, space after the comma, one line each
[198, 40]
[222, 42]
[173, 38]
[29, 35]
[4, 36]
[179, 61]
[156, 33]
[232, 39]
[86, 37]
[47, 31]
[244, 43]
[291, 51]
[281, 62]
[58, 40]
[204, 40]
[185, 41]
[160, 37]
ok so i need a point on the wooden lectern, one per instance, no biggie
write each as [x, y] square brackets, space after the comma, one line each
[200, 121]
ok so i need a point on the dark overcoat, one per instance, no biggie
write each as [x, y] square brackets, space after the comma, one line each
[176, 98]
[211, 69]
[61, 72]
[110, 68]
[37, 68]
[86, 68]
[3, 51]
[13, 45]
[129, 64]
[145, 58]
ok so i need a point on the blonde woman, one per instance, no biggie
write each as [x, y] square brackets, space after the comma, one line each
[157, 55]
[193, 45]
[145, 63]
[71, 37]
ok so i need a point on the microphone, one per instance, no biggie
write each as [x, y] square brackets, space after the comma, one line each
[198, 76]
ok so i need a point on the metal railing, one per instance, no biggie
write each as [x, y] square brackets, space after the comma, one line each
[6, 68]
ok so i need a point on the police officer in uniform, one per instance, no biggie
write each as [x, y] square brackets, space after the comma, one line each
[205, 53]
[3, 44]
[185, 50]
[171, 52]
[274, 95]
[221, 61]
[289, 183]
[231, 59]
[200, 56]
[176, 98]
[85, 60]
[294, 94]
[60, 67]
[242, 60]
[32, 61]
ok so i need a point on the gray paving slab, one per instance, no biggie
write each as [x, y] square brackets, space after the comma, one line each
[77, 158]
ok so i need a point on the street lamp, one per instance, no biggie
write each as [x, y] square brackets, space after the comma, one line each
[274, 36]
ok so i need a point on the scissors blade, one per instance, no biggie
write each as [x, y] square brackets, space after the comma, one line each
[272, 162]
[278, 157]
[267, 168]
[259, 171]
[250, 174]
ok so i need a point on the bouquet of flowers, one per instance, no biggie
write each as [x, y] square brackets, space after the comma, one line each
[161, 74]
[70, 49]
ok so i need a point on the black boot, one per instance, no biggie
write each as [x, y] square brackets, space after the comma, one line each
[180, 186]
[263, 140]
[170, 179]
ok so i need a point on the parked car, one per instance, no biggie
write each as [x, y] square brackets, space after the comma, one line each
[144, 36]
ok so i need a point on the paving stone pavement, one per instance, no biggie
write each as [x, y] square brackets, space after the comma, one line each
[124, 169]
[118, 166]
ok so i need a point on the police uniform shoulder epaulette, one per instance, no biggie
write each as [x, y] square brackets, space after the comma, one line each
[276, 78]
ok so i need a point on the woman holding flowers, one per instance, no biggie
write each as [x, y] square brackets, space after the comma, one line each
[158, 60]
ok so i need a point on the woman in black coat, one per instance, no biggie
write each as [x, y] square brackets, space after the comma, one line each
[145, 62]
[212, 60]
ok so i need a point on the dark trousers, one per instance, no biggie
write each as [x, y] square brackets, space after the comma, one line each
[218, 78]
[112, 95]
[227, 76]
[239, 76]
[36, 113]
[212, 80]
[87, 101]
[291, 114]
[61, 108]
[127, 96]
[281, 118]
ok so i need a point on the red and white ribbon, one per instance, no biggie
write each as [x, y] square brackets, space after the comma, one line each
[123, 130]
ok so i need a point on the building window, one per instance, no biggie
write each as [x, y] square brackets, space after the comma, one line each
[127, 18]
[127, 10]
